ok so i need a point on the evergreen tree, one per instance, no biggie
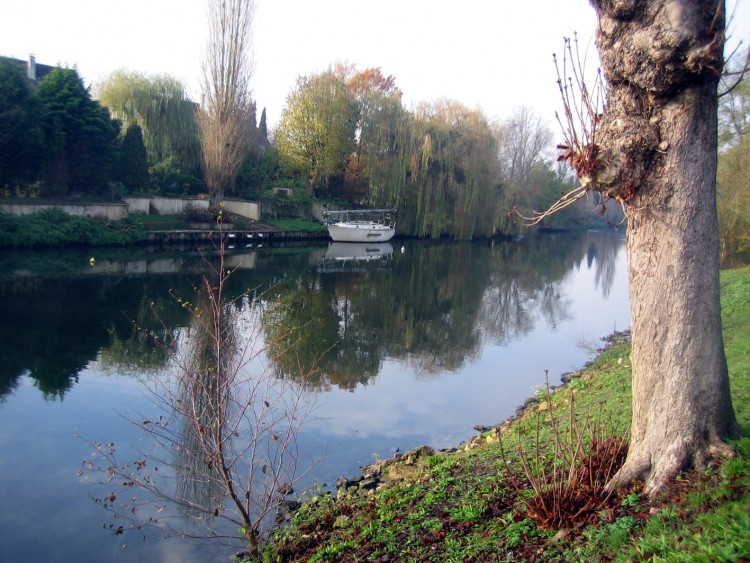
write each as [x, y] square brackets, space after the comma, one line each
[263, 128]
[81, 136]
[21, 139]
[133, 160]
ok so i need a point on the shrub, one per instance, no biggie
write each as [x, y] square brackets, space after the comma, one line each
[196, 214]
[53, 227]
[570, 488]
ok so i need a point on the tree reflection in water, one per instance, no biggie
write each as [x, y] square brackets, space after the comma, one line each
[432, 307]
[433, 310]
[226, 428]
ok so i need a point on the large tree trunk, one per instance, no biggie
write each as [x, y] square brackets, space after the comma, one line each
[656, 152]
[681, 402]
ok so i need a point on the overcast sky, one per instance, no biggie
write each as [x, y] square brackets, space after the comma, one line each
[489, 54]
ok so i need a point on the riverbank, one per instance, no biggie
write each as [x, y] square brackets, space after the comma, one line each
[476, 503]
[55, 228]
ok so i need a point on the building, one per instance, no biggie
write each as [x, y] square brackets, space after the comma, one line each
[34, 71]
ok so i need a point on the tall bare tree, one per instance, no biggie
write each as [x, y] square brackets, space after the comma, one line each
[523, 138]
[654, 149]
[227, 116]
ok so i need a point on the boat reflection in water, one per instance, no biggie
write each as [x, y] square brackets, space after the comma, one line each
[356, 256]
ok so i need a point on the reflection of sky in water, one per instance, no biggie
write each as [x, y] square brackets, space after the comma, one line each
[45, 513]
[401, 407]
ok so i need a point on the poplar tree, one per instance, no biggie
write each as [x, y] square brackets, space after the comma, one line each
[226, 118]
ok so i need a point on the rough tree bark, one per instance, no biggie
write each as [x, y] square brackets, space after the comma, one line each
[655, 152]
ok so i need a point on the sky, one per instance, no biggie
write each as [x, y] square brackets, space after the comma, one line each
[493, 55]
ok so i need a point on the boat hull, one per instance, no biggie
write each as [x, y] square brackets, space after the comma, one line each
[349, 232]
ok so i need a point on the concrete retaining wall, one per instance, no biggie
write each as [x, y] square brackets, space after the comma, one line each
[162, 205]
[246, 209]
[137, 204]
[110, 211]
[146, 205]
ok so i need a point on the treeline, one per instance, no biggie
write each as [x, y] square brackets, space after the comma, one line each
[344, 136]
[733, 178]
[53, 137]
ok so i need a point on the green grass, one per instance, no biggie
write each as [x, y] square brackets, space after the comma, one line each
[468, 506]
[297, 225]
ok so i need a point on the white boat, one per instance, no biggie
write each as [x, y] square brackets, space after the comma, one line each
[361, 225]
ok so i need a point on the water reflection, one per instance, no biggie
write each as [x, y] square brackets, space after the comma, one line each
[434, 312]
[204, 396]
[413, 351]
[356, 256]
[432, 307]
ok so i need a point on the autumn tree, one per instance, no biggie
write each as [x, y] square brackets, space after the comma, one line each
[654, 149]
[376, 97]
[226, 118]
[315, 136]
[374, 93]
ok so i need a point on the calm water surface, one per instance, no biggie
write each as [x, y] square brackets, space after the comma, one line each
[418, 344]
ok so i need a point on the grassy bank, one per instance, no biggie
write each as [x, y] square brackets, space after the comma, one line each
[479, 503]
[297, 225]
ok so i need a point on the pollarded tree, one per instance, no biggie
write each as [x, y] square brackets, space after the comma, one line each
[654, 149]
[315, 135]
[227, 116]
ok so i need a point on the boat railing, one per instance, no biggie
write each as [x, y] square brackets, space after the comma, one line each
[363, 216]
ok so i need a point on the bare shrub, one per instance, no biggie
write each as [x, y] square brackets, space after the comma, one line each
[225, 432]
[569, 487]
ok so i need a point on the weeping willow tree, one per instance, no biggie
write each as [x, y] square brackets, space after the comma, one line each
[160, 107]
[439, 167]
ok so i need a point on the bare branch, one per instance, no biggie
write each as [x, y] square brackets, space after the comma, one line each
[225, 434]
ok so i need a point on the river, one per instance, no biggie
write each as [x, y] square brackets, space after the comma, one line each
[415, 343]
